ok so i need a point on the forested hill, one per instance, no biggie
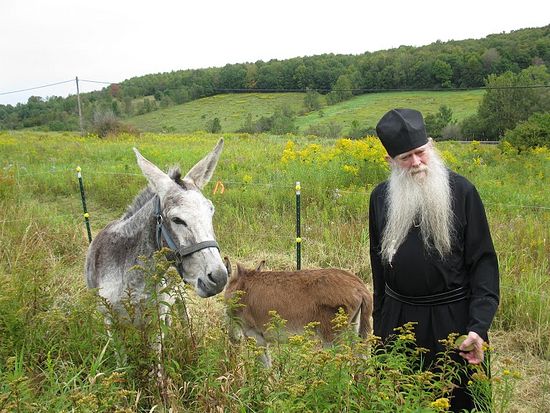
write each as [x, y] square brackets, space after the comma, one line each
[440, 65]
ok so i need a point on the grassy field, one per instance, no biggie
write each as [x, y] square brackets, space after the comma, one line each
[233, 109]
[55, 354]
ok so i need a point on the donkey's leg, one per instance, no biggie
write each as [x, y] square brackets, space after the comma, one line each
[113, 314]
[180, 295]
[164, 306]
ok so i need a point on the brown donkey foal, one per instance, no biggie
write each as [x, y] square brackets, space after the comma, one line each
[299, 297]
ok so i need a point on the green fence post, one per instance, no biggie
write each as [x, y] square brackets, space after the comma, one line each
[298, 234]
[83, 196]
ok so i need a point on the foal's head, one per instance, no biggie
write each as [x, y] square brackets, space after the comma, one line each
[240, 270]
[187, 219]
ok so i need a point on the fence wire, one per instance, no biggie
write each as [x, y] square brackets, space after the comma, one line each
[289, 185]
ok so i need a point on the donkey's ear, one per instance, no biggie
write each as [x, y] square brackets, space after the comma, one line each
[227, 264]
[159, 181]
[201, 173]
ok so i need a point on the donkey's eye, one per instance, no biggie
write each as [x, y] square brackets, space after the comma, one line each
[179, 221]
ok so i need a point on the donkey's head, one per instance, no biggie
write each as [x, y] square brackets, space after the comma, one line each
[186, 219]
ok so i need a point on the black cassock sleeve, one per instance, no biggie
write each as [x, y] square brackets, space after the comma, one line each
[378, 282]
[481, 265]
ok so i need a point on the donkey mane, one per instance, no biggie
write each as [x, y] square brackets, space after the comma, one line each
[147, 194]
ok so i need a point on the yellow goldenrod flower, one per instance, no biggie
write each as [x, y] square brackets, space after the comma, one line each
[441, 403]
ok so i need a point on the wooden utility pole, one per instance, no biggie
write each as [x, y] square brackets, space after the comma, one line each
[79, 108]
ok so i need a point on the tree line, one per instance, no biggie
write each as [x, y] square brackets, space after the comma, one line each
[441, 65]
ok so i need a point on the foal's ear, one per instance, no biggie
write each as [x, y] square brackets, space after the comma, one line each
[240, 269]
[203, 170]
[159, 181]
[260, 265]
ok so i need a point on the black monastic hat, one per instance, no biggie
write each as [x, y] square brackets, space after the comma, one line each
[401, 130]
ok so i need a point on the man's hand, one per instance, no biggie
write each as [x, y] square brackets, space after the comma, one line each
[476, 355]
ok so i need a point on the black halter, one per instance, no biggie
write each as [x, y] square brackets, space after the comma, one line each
[162, 234]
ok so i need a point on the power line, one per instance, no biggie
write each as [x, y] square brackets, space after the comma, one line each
[98, 81]
[36, 87]
[54, 84]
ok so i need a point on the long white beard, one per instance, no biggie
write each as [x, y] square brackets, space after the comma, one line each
[422, 199]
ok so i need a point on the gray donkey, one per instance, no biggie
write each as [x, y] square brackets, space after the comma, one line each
[171, 212]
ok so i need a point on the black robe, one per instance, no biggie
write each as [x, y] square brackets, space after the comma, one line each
[417, 272]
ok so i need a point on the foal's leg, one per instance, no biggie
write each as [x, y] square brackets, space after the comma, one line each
[355, 321]
[261, 342]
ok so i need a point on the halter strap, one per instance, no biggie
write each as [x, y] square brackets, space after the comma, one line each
[161, 233]
[185, 251]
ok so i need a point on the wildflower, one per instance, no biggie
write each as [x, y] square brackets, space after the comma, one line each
[297, 389]
[442, 403]
[288, 153]
[478, 161]
[449, 157]
[353, 170]
[297, 339]
[486, 347]
[124, 393]
[479, 376]
[340, 320]
[420, 350]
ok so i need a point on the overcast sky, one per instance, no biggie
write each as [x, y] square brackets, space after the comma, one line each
[44, 42]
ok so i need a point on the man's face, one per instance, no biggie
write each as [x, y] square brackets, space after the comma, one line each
[415, 161]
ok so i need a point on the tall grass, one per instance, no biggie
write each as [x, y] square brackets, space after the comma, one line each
[55, 354]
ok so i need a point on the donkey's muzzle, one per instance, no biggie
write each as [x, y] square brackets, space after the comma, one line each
[212, 283]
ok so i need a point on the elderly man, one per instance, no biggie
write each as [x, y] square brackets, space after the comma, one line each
[432, 257]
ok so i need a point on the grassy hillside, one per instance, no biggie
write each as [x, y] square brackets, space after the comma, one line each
[368, 109]
[232, 109]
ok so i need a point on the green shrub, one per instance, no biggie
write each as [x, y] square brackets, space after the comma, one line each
[473, 128]
[106, 123]
[531, 133]
[435, 123]
[214, 125]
